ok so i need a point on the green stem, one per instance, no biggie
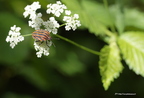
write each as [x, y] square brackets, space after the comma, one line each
[109, 33]
[78, 45]
[62, 25]
[27, 35]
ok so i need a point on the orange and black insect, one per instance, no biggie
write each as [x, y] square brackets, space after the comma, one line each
[41, 36]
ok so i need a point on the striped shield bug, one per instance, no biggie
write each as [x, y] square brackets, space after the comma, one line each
[41, 36]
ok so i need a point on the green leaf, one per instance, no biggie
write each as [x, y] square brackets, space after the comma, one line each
[132, 48]
[128, 18]
[117, 12]
[134, 18]
[110, 64]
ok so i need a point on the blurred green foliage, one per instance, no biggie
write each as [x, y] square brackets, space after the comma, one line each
[68, 72]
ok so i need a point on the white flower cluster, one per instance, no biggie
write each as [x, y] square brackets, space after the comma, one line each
[71, 21]
[36, 22]
[35, 18]
[14, 36]
[31, 10]
[56, 9]
[42, 48]
[51, 25]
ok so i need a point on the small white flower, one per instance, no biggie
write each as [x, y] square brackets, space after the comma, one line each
[31, 10]
[14, 36]
[51, 25]
[42, 48]
[56, 9]
[67, 12]
[72, 22]
[37, 22]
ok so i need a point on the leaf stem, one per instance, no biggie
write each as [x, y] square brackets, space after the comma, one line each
[78, 45]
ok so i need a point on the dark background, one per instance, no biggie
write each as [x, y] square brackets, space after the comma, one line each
[68, 72]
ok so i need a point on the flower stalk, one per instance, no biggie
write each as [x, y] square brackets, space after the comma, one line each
[78, 45]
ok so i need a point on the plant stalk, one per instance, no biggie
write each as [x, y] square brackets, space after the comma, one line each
[78, 45]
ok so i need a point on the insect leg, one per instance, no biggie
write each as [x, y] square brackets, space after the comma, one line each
[39, 41]
[47, 43]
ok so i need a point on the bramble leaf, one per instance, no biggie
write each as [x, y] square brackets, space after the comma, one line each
[132, 48]
[110, 64]
[131, 19]
[117, 13]
[134, 18]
